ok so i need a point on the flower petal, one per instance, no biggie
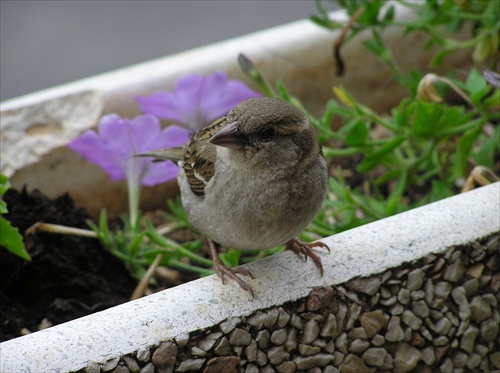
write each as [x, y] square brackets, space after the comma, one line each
[197, 100]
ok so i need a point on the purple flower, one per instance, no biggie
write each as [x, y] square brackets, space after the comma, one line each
[113, 149]
[197, 100]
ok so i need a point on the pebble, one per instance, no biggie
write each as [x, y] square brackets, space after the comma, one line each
[257, 319]
[228, 326]
[378, 340]
[441, 341]
[295, 321]
[406, 358]
[308, 362]
[353, 315]
[291, 339]
[473, 361]
[353, 364]
[372, 322]
[287, 367]
[429, 291]
[489, 330]
[341, 343]
[277, 355]
[261, 358]
[358, 346]
[278, 336]
[480, 309]
[469, 338]
[443, 325]
[459, 295]
[307, 350]
[447, 366]
[131, 364]
[240, 337]
[148, 368]
[374, 356]
[262, 338]
[420, 309]
[459, 359]
[495, 359]
[165, 355]
[121, 369]
[415, 279]
[411, 320]
[404, 296]
[442, 289]
[455, 271]
[396, 310]
[311, 331]
[283, 318]
[368, 285]
[190, 365]
[223, 348]
[92, 368]
[143, 354]
[417, 295]
[271, 318]
[251, 351]
[110, 364]
[394, 330]
[357, 333]
[330, 326]
[182, 340]
[428, 355]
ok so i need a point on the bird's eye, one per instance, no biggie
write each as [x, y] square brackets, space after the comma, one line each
[267, 135]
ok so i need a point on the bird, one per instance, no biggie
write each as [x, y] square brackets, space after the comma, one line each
[252, 179]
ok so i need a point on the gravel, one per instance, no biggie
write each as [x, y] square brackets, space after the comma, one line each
[440, 313]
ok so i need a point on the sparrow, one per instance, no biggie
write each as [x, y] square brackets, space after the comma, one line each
[253, 179]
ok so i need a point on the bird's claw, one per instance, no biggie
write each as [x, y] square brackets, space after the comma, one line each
[229, 272]
[302, 249]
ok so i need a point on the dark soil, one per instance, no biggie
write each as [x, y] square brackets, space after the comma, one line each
[68, 277]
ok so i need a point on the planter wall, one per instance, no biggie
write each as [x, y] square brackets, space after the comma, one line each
[419, 289]
[36, 128]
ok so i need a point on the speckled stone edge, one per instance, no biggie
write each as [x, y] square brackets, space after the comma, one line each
[176, 315]
[438, 313]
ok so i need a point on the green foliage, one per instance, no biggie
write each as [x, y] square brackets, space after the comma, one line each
[422, 151]
[438, 19]
[9, 236]
[138, 247]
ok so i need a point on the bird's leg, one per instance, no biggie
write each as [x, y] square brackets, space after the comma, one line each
[223, 270]
[301, 248]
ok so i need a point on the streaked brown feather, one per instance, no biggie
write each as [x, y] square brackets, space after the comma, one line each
[199, 157]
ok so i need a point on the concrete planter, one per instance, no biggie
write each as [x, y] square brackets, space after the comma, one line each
[417, 290]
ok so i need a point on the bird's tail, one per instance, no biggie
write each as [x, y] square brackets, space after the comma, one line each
[172, 154]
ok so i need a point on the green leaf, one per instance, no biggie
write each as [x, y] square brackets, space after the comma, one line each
[4, 184]
[373, 159]
[231, 258]
[426, 118]
[485, 155]
[357, 135]
[396, 194]
[12, 240]
[475, 82]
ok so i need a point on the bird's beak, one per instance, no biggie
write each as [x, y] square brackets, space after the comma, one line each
[229, 137]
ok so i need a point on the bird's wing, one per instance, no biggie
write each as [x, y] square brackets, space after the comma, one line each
[159, 155]
[199, 157]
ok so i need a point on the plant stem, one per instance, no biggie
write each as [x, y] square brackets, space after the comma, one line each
[187, 267]
[141, 286]
[60, 229]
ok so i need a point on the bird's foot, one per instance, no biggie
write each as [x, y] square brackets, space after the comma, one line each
[229, 272]
[305, 249]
